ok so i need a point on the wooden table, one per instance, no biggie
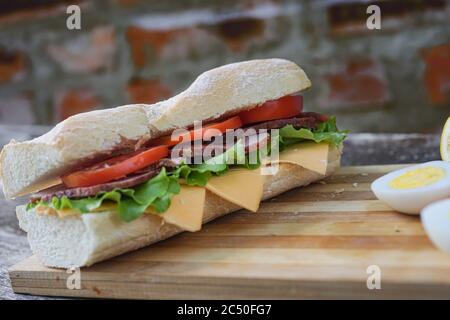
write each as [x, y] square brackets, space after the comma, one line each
[360, 149]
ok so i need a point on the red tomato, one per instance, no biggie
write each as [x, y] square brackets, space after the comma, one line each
[232, 123]
[285, 107]
[114, 168]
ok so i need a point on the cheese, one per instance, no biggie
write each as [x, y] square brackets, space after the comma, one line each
[242, 187]
[186, 208]
[44, 210]
[309, 155]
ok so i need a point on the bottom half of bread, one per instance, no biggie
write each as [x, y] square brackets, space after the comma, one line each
[85, 239]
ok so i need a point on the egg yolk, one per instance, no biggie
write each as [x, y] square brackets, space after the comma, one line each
[420, 177]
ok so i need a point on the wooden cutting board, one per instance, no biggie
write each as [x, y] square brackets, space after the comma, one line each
[313, 242]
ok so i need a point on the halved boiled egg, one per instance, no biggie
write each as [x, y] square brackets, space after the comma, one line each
[436, 221]
[410, 189]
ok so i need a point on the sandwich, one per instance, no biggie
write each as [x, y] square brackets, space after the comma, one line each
[105, 182]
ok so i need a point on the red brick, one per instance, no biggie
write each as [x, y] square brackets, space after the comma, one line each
[202, 34]
[238, 32]
[16, 109]
[73, 101]
[141, 40]
[147, 91]
[86, 53]
[360, 82]
[437, 73]
[12, 65]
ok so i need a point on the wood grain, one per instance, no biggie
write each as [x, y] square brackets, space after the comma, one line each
[313, 242]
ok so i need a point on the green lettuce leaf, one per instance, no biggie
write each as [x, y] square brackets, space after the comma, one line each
[199, 174]
[159, 190]
[325, 132]
[132, 203]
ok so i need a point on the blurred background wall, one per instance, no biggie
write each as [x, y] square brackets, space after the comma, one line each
[396, 79]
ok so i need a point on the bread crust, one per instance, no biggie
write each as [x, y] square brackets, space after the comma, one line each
[26, 167]
[89, 238]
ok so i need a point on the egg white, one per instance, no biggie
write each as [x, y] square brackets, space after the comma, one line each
[436, 222]
[413, 200]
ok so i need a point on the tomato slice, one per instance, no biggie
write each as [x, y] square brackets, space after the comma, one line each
[285, 107]
[203, 133]
[114, 168]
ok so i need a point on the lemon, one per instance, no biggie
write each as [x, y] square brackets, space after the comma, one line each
[445, 141]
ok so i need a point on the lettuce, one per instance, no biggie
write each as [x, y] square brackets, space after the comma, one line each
[131, 203]
[325, 132]
[159, 190]
[199, 174]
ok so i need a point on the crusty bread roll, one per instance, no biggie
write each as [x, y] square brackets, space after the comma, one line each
[33, 165]
[85, 239]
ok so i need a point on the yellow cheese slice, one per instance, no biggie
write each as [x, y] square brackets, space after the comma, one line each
[186, 208]
[309, 155]
[243, 187]
[44, 210]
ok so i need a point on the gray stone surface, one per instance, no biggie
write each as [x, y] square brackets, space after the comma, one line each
[360, 149]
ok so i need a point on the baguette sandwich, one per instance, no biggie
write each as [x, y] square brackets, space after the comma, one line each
[106, 182]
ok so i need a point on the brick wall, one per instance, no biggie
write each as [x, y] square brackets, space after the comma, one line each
[396, 79]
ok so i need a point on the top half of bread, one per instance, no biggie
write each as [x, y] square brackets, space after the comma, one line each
[33, 165]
